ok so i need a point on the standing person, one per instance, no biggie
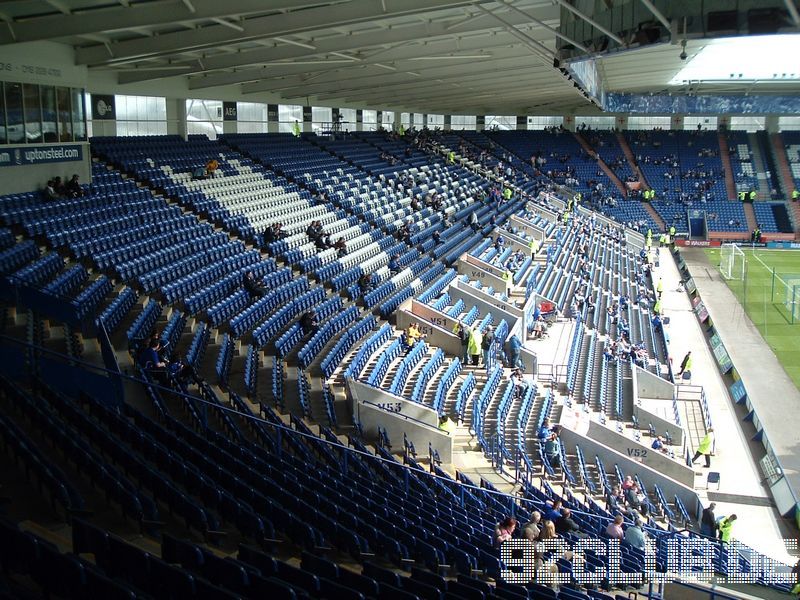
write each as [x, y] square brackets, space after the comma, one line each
[708, 521]
[704, 449]
[660, 288]
[726, 528]
[515, 346]
[487, 345]
[552, 450]
[296, 129]
[686, 364]
[463, 334]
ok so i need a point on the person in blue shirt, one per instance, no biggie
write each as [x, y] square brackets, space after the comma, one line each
[515, 346]
[149, 358]
[554, 512]
[544, 431]
[394, 264]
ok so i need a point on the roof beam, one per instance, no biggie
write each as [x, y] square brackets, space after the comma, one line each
[591, 21]
[395, 35]
[140, 14]
[552, 30]
[266, 75]
[793, 11]
[290, 23]
[658, 14]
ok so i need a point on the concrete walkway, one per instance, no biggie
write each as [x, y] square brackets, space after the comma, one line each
[741, 490]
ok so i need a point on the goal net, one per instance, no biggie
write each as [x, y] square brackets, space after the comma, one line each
[732, 262]
[791, 296]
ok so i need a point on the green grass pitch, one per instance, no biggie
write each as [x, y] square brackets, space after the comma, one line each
[766, 306]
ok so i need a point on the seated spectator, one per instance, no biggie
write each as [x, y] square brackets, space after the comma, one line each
[614, 529]
[658, 444]
[211, 167]
[553, 513]
[566, 524]
[615, 500]
[341, 247]
[49, 191]
[531, 530]
[628, 483]
[161, 370]
[394, 264]
[548, 531]
[74, 189]
[544, 431]
[269, 235]
[520, 385]
[199, 173]
[253, 287]
[634, 497]
[279, 232]
[366, 283]
[59, 186]
[309, 322]
[635, 535]
[504, 531]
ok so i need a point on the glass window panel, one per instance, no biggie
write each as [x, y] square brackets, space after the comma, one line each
[751, 124]
[501, 122]
[461, 122]
[539, 123]
[3, 138]
[289, 113]
[419, 122]
[49, 117]
[405, 119]
[387, 119]
[78, 121]
[33, 113]
[435, 121]
[599, 123]
[369, 117]
[691, 123]
[16, 128]
[649, 122]
[348, 118]
[789, 123]
[64, 101]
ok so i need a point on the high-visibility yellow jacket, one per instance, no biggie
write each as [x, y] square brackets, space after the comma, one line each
[725, 529]
[705, 443]
[474, 346]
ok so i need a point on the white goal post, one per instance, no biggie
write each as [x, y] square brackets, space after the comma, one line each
[732, 262]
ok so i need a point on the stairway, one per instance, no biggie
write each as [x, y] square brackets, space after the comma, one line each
[626, 149]
[654, 215]
[782, 162]
[725, 156]
[750, 215]
[601, 163]
[760, 166]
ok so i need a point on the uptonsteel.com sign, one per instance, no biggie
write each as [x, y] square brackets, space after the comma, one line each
[34, 155]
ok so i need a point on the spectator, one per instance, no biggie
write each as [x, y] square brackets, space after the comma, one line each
[341, 247]
[74, 189]
[566, 524]
[59, 186]
[487, 345]
[269, 236]
[463, 334]
[49, 191]
[394, 264]
[365, 283]
[252, 286]
[633, 497]
[548, 531]
[520, 385]
[538, 328]
[211, 167]
[658, 444]
[446, 425]
[504, 531]
[544, 431]
[554, 512]
[708, 521]
[532, 529]
[199, 173]
[515, 346]
[309, 322]
[616, 500]
[473, 221]
[614, 529]
[552, 450]
[704, 449]
[635, 536]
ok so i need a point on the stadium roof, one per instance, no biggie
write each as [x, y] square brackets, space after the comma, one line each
[445, 56]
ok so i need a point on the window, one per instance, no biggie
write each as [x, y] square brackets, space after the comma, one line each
[287, 115]
[3, 129]
[461, 122]
[789, 123]
[203, 117]
[750, 124]
[649, 123]
[419, 120]
[405, 120]
[321, 118]
[78, 115]
[539, 123]
[501, 122]
[348, 118]
[691, 123]
[369, 118]
[387, 119]
[251, 117]
[435, 121]
[64, 101]
[33, 113]
[15, 125]
[601, 123]
[49, 116]
[140, 115]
